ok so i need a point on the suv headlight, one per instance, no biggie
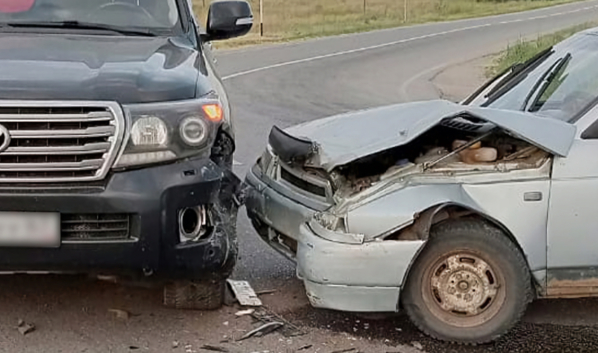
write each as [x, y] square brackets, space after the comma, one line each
[161, 132]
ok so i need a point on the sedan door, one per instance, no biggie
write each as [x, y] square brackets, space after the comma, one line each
[572, 254]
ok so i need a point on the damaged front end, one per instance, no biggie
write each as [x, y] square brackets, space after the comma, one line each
[354, 159]
[365, 188]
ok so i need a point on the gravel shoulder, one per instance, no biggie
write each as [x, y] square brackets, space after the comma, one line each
[457, 82]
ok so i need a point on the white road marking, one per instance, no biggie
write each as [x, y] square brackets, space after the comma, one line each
[406, 40]
[236, 51]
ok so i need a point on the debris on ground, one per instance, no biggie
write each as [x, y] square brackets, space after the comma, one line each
[417, 345]
[262, 330]
[305, 347]
[245, 312]
[25, 328]
[208, 347]
[120, 314]
[175, 344]
[244, 293]
[267, 291]
[345, 350]
[288, 330]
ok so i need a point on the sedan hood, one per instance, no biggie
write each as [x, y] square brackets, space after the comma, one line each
[341, 139]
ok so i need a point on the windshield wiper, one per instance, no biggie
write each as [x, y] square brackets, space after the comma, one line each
[516, 76]
[545, 81]
[81, 25]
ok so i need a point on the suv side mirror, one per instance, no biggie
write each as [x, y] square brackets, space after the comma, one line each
[228, 19]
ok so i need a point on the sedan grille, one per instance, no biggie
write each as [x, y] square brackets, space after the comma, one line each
[58, 141]
[95, 226]
[302, 184]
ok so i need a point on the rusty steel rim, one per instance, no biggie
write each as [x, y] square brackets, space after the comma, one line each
[463, 290]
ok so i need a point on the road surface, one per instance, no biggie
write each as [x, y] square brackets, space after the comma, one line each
[284, 85]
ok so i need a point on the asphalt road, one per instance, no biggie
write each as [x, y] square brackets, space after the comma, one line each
[291, 83]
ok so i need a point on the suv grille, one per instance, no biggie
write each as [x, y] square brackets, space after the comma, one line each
[95, 226]
[58, 141]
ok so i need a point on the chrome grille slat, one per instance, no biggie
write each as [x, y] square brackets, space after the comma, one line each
[40, 167]
[59, 118]
[91, 148]
[61, 134]
[59, 141]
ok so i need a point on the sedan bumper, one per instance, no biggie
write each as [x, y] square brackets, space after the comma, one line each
[354, 277]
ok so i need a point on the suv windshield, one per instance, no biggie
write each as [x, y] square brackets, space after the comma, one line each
[562, 86]
[155, 15]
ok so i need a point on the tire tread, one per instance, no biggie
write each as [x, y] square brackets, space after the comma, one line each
[458, 228]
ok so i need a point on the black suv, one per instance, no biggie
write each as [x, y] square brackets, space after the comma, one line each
[116, 143]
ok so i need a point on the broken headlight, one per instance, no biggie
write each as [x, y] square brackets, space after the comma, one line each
[162, 132]
[334, 228]
[331, 222]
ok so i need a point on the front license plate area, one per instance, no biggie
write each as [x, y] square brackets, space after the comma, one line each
[30, 229]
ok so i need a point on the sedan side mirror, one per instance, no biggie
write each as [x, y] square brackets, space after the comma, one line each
[228, 19]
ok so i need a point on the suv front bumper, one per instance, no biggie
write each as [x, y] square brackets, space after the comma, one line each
[151, 198]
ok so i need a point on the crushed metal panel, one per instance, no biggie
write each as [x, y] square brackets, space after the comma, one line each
[552, 135]
[244, 293]
[344, 138]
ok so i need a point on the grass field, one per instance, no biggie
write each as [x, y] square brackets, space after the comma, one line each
[524, 50]
[295, 19]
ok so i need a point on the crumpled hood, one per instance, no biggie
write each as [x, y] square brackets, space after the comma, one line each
[341, 139]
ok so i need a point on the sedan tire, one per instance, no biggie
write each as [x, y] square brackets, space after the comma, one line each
[469, 285]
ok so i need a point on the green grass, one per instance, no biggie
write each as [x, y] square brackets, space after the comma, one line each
[523, 50]
[286, 20]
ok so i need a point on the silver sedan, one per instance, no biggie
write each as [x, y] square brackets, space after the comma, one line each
[460, 214]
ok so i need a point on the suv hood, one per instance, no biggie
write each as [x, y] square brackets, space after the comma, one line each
[93, 67]
[341, 139]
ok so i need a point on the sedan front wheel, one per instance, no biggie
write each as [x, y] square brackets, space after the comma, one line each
[469, 285]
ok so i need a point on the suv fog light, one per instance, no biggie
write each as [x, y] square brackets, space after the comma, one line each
[192, 223]
[193, 131]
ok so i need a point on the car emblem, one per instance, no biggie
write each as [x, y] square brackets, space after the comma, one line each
[4, 138]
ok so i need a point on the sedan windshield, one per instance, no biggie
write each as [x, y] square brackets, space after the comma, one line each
[156, 15]
[561, 86]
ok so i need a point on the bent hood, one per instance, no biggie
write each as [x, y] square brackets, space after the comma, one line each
[341, 139]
